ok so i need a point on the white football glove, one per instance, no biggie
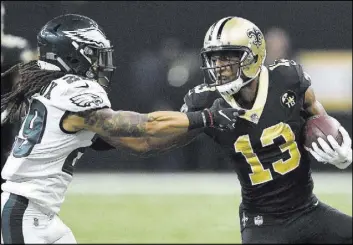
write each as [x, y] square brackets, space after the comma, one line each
[340, 156]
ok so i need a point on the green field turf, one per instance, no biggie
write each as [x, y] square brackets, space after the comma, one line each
[152, 218]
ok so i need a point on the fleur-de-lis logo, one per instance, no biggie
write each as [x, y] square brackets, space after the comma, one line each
[255, 35]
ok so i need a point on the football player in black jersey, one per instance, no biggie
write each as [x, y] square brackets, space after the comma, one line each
[278, 204]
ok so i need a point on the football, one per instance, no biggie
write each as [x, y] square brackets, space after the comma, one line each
[321, 126]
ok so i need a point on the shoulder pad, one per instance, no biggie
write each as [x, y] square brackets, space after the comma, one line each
[200, 97]
[304, 78]
[75, 93]
[290, 72]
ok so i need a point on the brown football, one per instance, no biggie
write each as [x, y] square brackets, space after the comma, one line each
[321, 126]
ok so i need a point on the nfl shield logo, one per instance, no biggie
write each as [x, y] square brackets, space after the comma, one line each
[258, 220]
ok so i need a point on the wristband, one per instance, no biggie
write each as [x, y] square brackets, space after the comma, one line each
[199, 119]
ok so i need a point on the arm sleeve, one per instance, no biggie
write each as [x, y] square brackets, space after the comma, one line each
[304, 79]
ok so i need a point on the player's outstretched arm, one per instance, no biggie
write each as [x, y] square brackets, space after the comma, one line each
[109, 123]
[153, 133]
[149, 146]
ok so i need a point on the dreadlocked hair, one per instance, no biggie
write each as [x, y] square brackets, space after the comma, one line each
[31, 79]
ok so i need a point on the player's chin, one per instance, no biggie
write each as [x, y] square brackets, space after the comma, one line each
[223, 80]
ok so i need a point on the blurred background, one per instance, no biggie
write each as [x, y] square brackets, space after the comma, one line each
[157, 54]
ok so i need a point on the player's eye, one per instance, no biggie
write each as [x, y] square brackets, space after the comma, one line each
[222, 58]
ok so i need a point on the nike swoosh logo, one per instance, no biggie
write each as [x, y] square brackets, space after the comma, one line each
[224, 115]
[317, 202]
[83, 86]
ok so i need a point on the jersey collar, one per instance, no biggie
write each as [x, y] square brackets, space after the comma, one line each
[253, 115]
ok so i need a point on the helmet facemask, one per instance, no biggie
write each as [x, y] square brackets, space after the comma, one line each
[101, 60]
[228, 76]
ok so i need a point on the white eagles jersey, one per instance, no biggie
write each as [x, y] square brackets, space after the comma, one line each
[42, 160]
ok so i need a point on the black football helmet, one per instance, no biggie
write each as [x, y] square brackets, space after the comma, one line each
[77, 45]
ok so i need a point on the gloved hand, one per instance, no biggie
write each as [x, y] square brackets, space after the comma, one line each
[218, 116]
[340, 156]
[224, 117]
[198, 98]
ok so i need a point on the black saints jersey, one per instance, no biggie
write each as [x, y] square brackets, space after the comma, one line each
[268, 156]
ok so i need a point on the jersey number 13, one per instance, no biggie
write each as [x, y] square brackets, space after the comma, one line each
[259, 174]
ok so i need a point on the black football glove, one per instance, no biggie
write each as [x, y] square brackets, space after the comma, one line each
[199, 98]
[218, 116]
[224, 117]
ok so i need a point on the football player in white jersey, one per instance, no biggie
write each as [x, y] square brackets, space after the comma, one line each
[68, 106]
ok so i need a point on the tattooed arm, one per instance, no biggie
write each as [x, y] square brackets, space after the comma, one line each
[158, 131]
[151, 146]
[109, 123]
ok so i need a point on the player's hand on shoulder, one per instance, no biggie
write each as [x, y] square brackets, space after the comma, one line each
[224, 117]
[198, 98]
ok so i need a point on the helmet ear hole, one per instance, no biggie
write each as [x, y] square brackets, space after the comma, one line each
[74, 61]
